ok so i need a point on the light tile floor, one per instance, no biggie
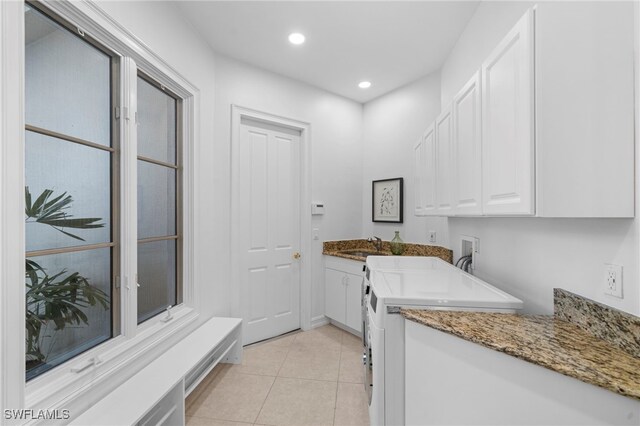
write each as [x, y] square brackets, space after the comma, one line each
[307, 378]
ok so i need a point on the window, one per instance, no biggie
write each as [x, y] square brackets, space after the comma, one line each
[70, 193]
[158, 175]
[81, 172]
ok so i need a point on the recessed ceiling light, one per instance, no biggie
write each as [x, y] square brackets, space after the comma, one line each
[364, 84]
[296, 38]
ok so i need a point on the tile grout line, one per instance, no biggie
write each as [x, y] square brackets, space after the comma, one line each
[289, 349]
[202, 394]
[274, 380]
[335, 405]
[265, 401]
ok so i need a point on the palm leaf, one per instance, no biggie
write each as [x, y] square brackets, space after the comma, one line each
[60, 298]
[84, 223]
[52, 212]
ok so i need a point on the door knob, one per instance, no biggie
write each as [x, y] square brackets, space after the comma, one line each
[296, 255]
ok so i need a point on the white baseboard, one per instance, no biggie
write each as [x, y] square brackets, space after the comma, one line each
[319, 321]
[347, 328]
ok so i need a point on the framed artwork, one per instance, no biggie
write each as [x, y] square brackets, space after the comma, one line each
[387, 200]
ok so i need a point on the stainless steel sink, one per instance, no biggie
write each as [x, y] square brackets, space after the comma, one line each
[363, 253]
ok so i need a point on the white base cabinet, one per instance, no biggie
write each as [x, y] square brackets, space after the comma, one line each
[450, 381]
[343, 291]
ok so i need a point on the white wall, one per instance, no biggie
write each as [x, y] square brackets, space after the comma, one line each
[336, 142]
[160, 26]
[335, 133]
[529, 256]
[524, 256]
[392, 125]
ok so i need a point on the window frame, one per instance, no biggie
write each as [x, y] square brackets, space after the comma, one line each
[122, 356]
[114, 150]
[179, 169]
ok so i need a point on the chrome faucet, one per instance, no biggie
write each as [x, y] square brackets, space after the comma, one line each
[377, 242]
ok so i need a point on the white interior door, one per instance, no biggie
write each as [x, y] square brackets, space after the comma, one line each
[269, 231]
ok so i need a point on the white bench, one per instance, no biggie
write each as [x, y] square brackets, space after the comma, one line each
[155, 395]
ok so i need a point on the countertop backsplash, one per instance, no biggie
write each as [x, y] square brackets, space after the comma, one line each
[616, 327]
[334, 248]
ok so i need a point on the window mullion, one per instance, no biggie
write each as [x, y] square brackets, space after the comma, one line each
[128, 208]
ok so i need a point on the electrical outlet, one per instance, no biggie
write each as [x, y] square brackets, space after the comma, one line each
[432, 236]
[613, 280]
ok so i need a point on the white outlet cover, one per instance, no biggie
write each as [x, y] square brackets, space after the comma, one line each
[612, 288]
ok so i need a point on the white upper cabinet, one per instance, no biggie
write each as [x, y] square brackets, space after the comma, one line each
[444, 163]
[585, 109]
[429, 190]
[467, 150]
[546, 126]
[419, 170]
[507, 124]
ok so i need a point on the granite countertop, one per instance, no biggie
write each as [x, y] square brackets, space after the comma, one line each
[338, 248]
[552, 341]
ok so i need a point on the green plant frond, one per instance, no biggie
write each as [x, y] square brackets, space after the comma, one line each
[27, 200]
[84, 223]
[33, 266]
[52, 212]
[56, 205]
[63, 297]
[32, 210]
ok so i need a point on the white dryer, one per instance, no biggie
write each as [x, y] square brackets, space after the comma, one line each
[395, 282]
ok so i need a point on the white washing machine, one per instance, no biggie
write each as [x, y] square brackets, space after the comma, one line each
[394, 282]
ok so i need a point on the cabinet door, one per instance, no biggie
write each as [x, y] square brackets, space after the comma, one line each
[334, 294]
[507, 124]
[429, 190]
[419, 170]
[467, 149]
[354, 293]
[585, 109]
[444, 163]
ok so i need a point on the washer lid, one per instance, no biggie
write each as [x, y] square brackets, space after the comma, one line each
[433, 282]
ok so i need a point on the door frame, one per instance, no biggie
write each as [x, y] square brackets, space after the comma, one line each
[237, 114]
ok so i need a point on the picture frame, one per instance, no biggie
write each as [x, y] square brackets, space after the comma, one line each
[387, 200]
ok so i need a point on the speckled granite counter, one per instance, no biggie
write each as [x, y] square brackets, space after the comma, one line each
[552, 341]
[337, 248]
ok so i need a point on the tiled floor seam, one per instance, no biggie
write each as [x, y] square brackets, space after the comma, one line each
[265, 401]
[285, 358]
[335, 403]
[274, 380]
[202, 393]
[347, 349]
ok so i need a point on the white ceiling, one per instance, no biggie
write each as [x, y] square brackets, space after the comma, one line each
[390, 43]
